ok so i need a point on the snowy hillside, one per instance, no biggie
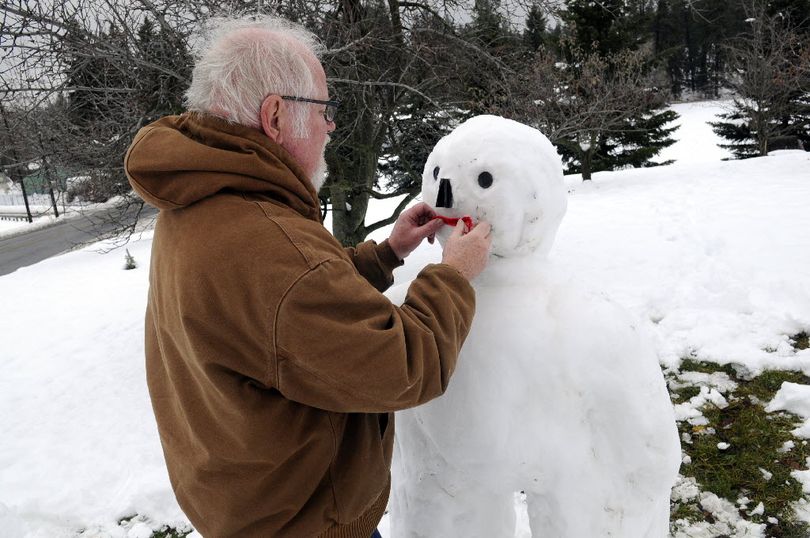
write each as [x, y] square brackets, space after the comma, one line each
[712, 255]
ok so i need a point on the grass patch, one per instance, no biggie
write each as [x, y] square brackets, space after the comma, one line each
[688, 511]
[169, 532]
[691, 365]
[768, 383]
[801, 341]
[684, 394]
[163, 532]
[755, 438]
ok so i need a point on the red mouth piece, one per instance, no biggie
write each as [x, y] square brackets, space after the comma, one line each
[450, 221]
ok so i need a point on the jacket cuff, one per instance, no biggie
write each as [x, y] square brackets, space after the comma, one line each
[388, 259]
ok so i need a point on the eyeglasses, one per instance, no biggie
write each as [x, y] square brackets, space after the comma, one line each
[328, 113]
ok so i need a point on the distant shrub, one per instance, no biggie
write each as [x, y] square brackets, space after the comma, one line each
[129, 261]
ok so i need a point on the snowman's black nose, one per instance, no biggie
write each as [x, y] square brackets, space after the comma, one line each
[445, 198]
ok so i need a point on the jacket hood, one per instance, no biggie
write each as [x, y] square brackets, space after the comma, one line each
[179, 160]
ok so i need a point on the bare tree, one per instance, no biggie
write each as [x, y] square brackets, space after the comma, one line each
[403, 71]
[86, 75]
[103, 69]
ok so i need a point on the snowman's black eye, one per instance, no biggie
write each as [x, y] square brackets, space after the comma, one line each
[485, 180]
[436, 173]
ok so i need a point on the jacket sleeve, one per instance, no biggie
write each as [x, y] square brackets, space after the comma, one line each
[375, 263]
[340, 345]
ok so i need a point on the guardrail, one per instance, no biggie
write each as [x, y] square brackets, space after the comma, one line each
[15, 213]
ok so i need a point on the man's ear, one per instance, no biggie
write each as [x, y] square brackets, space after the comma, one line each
[274, 118]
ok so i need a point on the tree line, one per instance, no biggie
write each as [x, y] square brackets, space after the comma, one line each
[78, 78]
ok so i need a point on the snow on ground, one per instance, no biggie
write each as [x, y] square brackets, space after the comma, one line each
[712, 255]
[794, 398]
[13, 227]
[696, 142]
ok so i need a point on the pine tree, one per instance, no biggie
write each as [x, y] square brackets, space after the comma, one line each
[489, 31]
[608, 26]
[687, 38]
[640, 140]
[98, 76]
[796, 14]
[599, 34]
[735, 128]
[536, 36]
[162, 69]
[772, 81]
[797, 11]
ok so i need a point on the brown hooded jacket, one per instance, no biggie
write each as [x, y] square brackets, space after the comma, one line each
[273, 359]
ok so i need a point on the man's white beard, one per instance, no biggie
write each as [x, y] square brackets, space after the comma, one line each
[319, 176]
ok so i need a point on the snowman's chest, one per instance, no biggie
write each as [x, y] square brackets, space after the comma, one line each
[510, 321]
[527, 338]
[509, 343]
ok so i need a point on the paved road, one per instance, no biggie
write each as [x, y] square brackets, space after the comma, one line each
[34, 246]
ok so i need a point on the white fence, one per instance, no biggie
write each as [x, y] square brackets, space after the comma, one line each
[33, 199]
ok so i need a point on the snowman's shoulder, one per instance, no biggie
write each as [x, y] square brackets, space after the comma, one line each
[594, 312]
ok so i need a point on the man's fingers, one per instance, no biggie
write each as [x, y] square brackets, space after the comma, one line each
[458, 231]
[435, 225]
[483, 228]
[423, 211]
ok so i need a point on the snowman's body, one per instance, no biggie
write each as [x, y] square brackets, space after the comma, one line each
[555, 394]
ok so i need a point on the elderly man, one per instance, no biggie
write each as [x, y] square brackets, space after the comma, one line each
[273, 360]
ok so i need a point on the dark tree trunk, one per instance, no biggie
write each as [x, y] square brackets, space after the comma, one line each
[25, 199]
[53, 198]
[587, 156]
[48, 176]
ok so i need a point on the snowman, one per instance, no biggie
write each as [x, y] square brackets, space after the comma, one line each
[557, 393]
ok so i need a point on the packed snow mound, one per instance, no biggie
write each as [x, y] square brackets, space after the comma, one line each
[557, 392]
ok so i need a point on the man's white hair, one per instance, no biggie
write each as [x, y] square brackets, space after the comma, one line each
[243, 60]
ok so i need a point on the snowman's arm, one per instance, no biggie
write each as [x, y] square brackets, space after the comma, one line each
[340, 345]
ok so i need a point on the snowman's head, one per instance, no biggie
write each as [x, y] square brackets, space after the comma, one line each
[501, 171]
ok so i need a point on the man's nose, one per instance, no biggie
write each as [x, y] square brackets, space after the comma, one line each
[330, 126]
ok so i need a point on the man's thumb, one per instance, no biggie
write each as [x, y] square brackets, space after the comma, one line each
[458, 231]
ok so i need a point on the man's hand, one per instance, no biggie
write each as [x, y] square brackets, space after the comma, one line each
[468, 253]
[412, 226]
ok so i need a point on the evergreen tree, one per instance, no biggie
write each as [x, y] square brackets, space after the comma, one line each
[536, 35]
[608, 26]
[486, 89]
[162, 70]
[771, 78]
[97, 75]
[797, 11]
[796, 15]
[117, 81]
[688, 35]
[603, 41]
[734, 127]
[638, 142]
